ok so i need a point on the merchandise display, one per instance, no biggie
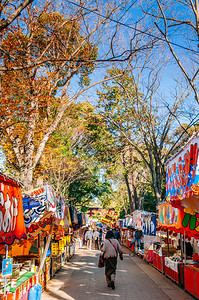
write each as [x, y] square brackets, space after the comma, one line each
[39, 241]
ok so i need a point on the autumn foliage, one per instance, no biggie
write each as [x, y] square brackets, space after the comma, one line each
[41, 54]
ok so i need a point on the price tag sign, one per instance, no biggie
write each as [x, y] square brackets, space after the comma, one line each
[7, 267]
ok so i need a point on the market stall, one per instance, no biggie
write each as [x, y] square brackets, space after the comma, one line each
[137, 224]
[182, 191]
[169, 228]
[149, 231]
[49, 225]
[16, 280]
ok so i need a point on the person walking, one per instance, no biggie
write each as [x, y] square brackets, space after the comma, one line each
[84, 239]
[117, 234]
[100, 236]
[89, 238]
[96, 239]
[111, 248]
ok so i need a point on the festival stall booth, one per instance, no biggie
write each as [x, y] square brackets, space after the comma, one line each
[149, 232]
[67, 239]
[17, 277]
[125, 233]
[126, 230]
[73, 231]
[43, 215]
[182, 190]
[167, 254]
[137, 223]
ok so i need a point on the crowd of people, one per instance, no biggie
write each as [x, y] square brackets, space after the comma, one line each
[108, 241]
[93, 238]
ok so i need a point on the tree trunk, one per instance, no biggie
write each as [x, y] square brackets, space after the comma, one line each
[27, 177]
[132, 193]
[132, 208]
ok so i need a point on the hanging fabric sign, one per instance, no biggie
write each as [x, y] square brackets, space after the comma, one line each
[182, 176]
[33, 210]
[45, 195]
[11, 211]
[168, 215]
[182, 220]
[67, 218]
[137, 219]
[110, 218]
[189, 223]
[149, 224]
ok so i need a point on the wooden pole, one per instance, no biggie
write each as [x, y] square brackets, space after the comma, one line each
[161, 256]
[5, 279]
[185, 256]
[182, 256]
[181, 246]
[167, 242]
[42, 260]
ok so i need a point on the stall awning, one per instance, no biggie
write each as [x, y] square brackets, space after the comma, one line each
[40, 200]
[11, 211]
[182, 176]
[178, 220]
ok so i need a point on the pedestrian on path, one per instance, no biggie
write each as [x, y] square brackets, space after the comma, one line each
[96, 238]
[89, 238]
[111, 248]
[85, 231]
[117, 234]
[100, 236]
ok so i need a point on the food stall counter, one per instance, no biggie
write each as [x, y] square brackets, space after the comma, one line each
[191, 275]
[21, 290]
[159, 261]
[173, 270]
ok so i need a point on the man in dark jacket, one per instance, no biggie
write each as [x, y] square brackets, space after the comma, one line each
[137, 237]
[116, 234]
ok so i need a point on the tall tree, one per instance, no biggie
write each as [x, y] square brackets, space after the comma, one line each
[10, 10]
[35, 97]
[178, 24]
[137, 118]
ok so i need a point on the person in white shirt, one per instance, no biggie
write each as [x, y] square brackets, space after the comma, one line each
[89, 238]
[111, 248]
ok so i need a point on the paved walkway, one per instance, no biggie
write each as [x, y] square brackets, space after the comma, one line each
[81, 279]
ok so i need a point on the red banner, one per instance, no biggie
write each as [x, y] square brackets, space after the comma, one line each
[11, 211]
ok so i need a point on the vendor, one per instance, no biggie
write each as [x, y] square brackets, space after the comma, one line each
[189, 249]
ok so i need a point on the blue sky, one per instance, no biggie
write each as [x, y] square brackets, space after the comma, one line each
[122, 41]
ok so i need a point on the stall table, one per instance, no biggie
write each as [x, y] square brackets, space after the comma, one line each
[148, 255]
[23, 286]
[191, 278]
[159, 261]
[173, 270]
